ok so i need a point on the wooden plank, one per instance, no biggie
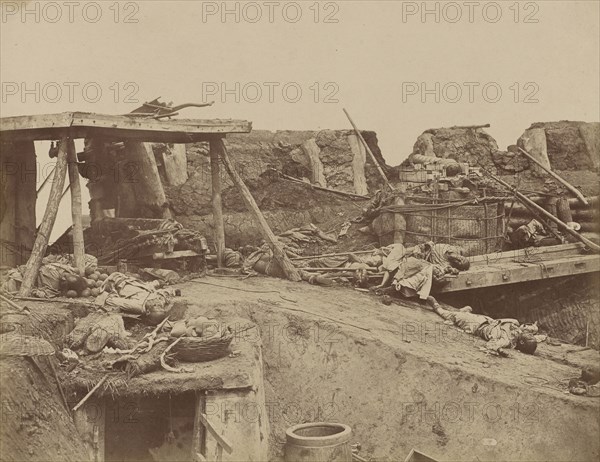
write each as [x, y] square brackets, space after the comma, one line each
[502, 274]
[553, 251]
[82, 125]
[207, 126]
[76, 209]
[35, 122]
[220, 439]
[217, 207]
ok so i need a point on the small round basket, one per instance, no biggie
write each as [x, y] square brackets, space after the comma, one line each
[198, 349]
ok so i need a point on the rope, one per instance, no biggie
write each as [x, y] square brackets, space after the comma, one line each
[247, 290]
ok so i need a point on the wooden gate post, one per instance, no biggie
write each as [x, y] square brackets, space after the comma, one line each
[278, 253]
[76, 211]
[43, 234]
[217, 207]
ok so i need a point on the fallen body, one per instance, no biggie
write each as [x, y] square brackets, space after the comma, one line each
[500, 334]
[415, 270]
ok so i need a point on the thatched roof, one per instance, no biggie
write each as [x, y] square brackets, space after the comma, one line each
[242, 371]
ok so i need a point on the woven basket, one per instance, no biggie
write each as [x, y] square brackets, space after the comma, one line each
[198, 349]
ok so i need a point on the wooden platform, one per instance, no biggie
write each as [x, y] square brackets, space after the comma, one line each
[118, 127]
[531, 264]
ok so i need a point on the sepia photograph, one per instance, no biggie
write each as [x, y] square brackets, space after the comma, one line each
[300, 231]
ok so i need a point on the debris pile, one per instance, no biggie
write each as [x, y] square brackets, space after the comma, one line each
[470, 145]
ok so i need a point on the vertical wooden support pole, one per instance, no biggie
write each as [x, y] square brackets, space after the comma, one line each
[198, 430]
[43, 235]
[217, 207]
[278, 253]
[76, 211]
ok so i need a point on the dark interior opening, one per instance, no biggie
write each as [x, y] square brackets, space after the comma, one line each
[149, 428]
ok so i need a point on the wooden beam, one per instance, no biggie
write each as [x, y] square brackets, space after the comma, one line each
[278, 253]
[517, 255]
[496, 274]
[216, 146]
[43, 235]
[368, 149]
[557, 177]
[89, 125]
[76, 210]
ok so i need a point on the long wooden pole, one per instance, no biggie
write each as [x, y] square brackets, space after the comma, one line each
[217, 207]
[320, 188]
[563, 226]
[342, 254]
[76, 210]
[280, 257]
[368, 149]
[45, 181]
[557, 177]
[90, 393]
[43, 234]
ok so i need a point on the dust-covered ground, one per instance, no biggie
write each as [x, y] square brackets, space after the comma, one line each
[398, 375]
[401, 378]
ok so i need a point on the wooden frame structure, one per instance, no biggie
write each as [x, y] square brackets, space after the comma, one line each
[530, 264]
[133, 130]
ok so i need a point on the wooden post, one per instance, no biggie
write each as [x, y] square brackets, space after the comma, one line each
[533, 206]
[41, 241]
[557, 177]
[78, 244]
[368, 149]
[563, 210]
[219, 231]
[280, 257]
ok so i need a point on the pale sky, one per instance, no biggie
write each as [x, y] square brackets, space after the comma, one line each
[372, 57]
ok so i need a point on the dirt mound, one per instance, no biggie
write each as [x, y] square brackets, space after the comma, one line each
[328, 158]
[35, 423]
[470, 145]
[571, 145]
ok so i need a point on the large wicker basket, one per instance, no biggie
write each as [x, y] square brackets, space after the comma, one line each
[198, 349]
